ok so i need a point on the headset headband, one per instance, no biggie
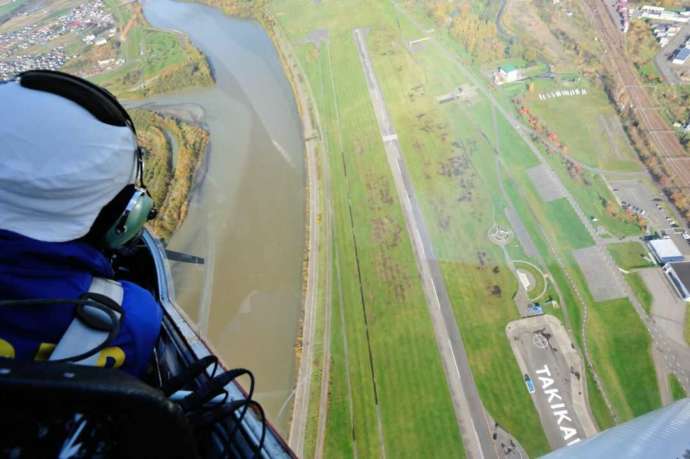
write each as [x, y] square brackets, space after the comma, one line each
[118, 222]
[96, 100]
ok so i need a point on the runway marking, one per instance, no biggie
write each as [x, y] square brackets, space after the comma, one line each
[539, 341]
[390, 137]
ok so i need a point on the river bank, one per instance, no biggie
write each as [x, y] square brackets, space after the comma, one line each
[308, 423]
[246, 214]
[318, 236]
[174, 151]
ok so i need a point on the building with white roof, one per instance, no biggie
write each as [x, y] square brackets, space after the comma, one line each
[665, 251]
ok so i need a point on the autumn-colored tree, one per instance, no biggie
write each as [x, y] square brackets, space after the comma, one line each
[611, 208]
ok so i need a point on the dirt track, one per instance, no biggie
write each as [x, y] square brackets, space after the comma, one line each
[298, 424]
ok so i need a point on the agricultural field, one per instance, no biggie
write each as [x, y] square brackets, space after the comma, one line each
[630, 255]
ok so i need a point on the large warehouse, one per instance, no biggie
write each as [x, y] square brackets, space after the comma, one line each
[679, 275]
[665, 251]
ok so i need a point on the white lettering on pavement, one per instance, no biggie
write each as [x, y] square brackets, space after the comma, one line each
[564, 421]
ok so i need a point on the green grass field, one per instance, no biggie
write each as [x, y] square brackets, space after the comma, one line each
[387, 387]
[630, 255]
[451, 153]
[587, 125]
[600, 411]
[592, 194]
[677, 391]
[570, 230]
[618, 336]
[641, 291]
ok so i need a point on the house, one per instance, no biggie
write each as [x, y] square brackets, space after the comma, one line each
[507, 74]
[679, 275]
[665, 251]
[662, 14]
[681, 56]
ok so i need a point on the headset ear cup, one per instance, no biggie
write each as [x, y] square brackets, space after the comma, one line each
[131, 221]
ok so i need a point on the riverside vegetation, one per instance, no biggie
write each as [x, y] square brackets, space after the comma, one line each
[173, 150]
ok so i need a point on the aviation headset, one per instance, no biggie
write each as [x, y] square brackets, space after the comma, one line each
[123, 218]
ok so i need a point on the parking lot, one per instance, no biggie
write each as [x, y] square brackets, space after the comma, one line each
[637, 196]
[547, 357]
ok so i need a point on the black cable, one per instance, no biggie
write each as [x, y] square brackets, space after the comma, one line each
[246, 407]
[229, 409]
[177, 382]
[86, 302]
[199, 415]
[196, 400]
[247, 403]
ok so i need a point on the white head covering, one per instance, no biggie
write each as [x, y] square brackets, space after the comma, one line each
[59, 165]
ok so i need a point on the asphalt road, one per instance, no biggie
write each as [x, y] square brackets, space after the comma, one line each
[468, 407]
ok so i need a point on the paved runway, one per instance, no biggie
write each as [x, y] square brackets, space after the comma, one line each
[468, 407]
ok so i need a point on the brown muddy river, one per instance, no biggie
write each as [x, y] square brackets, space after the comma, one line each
[246, 216]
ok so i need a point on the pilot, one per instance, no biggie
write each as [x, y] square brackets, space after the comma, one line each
[71, 196]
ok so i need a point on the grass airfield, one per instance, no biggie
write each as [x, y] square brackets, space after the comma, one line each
[467, 165]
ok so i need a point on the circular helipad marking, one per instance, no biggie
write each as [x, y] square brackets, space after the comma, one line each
[499, 235]
[536, 268]
[540, 341]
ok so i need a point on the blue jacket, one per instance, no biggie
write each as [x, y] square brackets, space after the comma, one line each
[36, 269]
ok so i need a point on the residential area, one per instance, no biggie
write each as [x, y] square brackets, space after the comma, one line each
[50, 43]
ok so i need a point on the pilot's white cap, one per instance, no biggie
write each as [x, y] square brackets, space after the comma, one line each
[59, 165]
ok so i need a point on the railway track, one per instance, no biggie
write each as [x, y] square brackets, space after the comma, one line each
[662, 138]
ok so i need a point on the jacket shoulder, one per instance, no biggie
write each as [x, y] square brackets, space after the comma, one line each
[141, 322]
